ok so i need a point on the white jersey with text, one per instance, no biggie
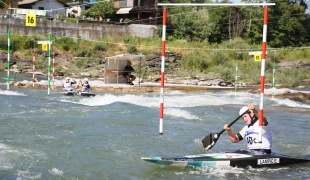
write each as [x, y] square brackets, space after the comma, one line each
[68, 86]
[251, 133]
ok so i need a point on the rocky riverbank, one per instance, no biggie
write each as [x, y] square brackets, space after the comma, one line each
[98, 85]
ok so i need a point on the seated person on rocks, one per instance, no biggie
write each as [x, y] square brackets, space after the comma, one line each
[128, 74]
[85, 86]
[68, 84]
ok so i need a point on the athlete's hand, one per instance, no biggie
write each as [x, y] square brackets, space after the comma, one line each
[226, 127]
[251, 108]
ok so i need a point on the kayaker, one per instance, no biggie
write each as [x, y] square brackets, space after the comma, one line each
[68, 84]
[128, 74]
[250, 132]
[85, 85]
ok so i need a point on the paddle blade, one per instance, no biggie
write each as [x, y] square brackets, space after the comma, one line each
[210, 140]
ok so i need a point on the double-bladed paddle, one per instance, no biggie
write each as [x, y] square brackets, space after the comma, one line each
[210, 140]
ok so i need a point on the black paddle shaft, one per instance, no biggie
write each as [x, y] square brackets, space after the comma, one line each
[209, 141]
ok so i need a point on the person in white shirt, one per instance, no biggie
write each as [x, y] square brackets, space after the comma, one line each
[250, 132]
[68, 84]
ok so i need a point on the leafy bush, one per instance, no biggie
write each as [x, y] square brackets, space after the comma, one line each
[81, 53]
[99, 47]
[194, 61]
[3, 42]
[16, 43]
[65, 43]
[131, 49]
[29, 43]
[80, 63]
[217, 58]
[291, 76]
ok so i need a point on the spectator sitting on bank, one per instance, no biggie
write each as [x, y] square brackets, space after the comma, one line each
[128, 74]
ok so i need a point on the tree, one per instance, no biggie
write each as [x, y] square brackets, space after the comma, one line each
[191, 22]
[101, 9]
[1, 4]
[288, 26]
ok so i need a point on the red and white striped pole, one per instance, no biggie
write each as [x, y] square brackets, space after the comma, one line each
[53, 68]
[162, 80]
[262, 78]
[33, 66]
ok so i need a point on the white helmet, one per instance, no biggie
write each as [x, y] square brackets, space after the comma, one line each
[67, 78]
[85, 79]
[243, 110]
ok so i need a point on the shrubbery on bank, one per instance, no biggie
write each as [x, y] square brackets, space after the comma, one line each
[216, 60]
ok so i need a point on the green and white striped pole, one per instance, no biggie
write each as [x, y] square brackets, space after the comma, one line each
[8, 77]
[273, 76]
[236, 78]
[49, 64]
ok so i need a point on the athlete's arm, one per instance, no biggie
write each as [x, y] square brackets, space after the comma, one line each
[232, 136]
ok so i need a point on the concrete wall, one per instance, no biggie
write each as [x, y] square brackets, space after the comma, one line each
[88, 31]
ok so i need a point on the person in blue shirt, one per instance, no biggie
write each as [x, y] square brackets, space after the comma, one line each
[128, 74]
[68, 84]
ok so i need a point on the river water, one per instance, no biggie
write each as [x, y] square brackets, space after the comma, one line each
[104, 137]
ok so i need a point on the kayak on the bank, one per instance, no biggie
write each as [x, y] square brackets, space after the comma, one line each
[229, 159]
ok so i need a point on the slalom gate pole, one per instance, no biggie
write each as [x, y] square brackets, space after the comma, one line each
[273, 76]
[162, 80]
[49, 64]
[53, 73]
[236, 78]
[33, 66]
[262, 79]
[8, 76]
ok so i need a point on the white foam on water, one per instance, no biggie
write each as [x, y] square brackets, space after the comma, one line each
[291, 103]
[180, 113]
[28, 175]
[5, 163]
[174, 99]
[45, 136]
[56, 171]
[3, 146]
[11, 93]
[178, 99]
[220, 171]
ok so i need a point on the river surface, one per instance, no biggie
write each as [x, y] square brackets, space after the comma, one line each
[104, 137]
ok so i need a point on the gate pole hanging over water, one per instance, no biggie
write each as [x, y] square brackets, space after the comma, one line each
[162, 80]
[273, 76]
[53, 73]
[33, 66]
[236, 78]
[262, 78]
[49, 64]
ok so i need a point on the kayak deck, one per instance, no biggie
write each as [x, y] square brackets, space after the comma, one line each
[73, 93]
[228, 159]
